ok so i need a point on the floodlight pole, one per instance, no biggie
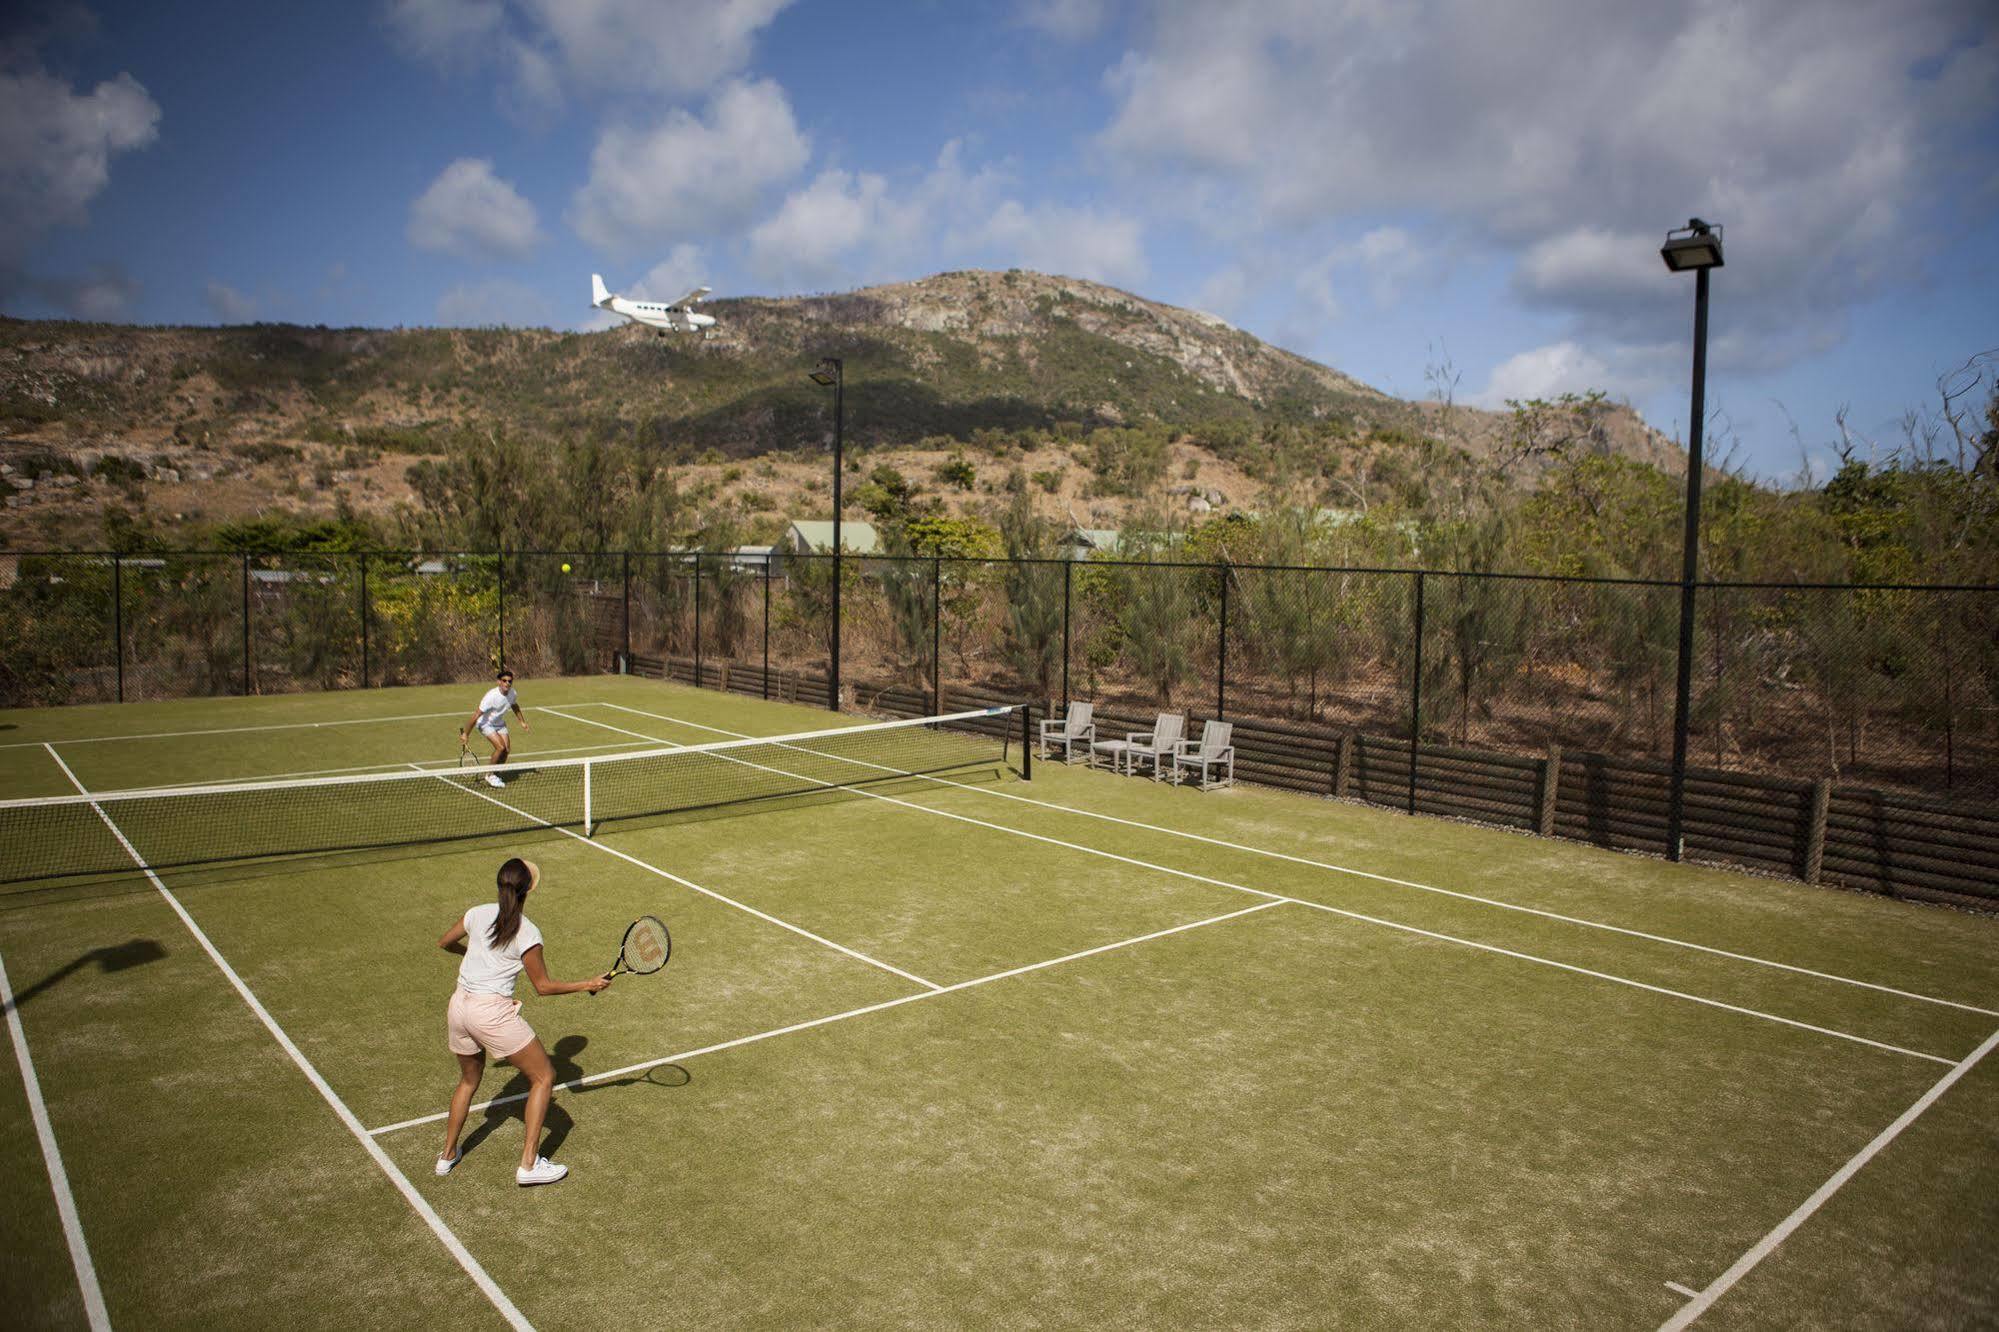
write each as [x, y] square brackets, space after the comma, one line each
[837, 381]
[1689, 569]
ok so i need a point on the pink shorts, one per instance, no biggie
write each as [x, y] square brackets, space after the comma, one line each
[489, 1022]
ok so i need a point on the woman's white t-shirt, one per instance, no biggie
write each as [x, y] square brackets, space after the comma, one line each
[490, 970]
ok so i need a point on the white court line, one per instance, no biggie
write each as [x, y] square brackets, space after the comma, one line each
[1764, 1247]
[1679, 1289]
[416, 1200]
[689, 883]
[1382, 878]
[1331, 910]
[237, 730]
[578, 1084]
[72, 1226]
[394, 765]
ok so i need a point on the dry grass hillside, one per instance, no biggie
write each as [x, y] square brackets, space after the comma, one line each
[1096, 400]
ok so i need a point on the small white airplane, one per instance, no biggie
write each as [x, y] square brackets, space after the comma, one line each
[668, 317]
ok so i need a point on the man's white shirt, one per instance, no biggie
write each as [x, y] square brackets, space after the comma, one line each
[493, 708]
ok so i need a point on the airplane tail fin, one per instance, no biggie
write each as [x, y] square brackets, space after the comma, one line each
[599, 294]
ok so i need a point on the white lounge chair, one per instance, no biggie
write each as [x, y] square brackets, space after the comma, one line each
[1074, 734]
[1205, 755]
[1155, 746]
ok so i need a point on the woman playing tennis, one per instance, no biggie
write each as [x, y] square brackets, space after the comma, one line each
[490, 720]
[483, 1017]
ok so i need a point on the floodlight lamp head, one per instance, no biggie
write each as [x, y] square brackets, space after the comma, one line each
[1694, 246]
[828, 373]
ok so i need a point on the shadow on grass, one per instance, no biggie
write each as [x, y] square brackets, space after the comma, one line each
[110, 958]
[557, 1126]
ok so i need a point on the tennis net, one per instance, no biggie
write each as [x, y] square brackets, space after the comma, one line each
[105, 832]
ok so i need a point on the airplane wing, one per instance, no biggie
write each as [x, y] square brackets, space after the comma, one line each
[691, 297]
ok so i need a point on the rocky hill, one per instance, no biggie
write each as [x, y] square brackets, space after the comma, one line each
[210, 423]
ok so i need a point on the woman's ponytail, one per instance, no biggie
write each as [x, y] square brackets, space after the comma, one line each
[515, 878]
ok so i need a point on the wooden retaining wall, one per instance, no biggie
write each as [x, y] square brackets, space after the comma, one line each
[1817, 831]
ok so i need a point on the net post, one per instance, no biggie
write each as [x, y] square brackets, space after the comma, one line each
[625, 579]
[246, 624]
[364, 620]
[1026, 749]
[118, 619]
[1416, 694]
[589, 825]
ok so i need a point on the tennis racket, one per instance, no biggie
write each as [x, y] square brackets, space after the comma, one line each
[466, 758]
[645, 950]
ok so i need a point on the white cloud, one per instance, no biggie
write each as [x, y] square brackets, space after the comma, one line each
[1629, 372]
[1075, 242]
[684, 268]
[852, 228]
[546, 47]
[472, 213]
[56, 147]
[1828, 138]
[689, 175]
[1069, 20]
[228, 304]
[494, 302]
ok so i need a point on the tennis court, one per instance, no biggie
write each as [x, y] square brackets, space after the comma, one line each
[951, 1049]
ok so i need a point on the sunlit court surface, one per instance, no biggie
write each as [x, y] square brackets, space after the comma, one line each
[978, 1047]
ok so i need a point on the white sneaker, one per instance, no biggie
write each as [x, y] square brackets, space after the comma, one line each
[543, 1171]
[493, 779]
[444, 1164]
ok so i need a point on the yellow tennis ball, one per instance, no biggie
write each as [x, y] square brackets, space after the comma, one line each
[565, 568]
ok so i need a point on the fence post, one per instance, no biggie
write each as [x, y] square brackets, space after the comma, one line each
[1416, 694]
[118, 619]
[767, 555]
[697, 620]
[625, 579]
[246, 624]
[1068, 569]
[500, 580]
[1222, 648]
[1343, 770]
[936, 634]
[1815, 829]
[364, 620]
[1551, 787]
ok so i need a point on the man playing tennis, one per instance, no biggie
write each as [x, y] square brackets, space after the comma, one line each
[491, 721]
[498, 943]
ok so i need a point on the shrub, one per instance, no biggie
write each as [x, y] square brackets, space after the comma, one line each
[957, 470]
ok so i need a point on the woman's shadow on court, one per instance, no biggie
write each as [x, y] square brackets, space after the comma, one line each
[558, 1123]
[556, 1127]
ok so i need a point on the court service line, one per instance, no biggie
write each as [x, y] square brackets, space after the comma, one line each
[578, 1084]
[671, 877]
[1388, 879]
[238, 730]
[1764, 1247]
[423, 1209]
[72, 1225]
[1338, 911]
[394, 765]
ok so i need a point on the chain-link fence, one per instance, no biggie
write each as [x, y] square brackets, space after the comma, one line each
[1848, 732]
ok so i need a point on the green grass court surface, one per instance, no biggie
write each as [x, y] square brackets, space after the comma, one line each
[1080, 1051]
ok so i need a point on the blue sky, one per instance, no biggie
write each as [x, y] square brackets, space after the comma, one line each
[1382, 188]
